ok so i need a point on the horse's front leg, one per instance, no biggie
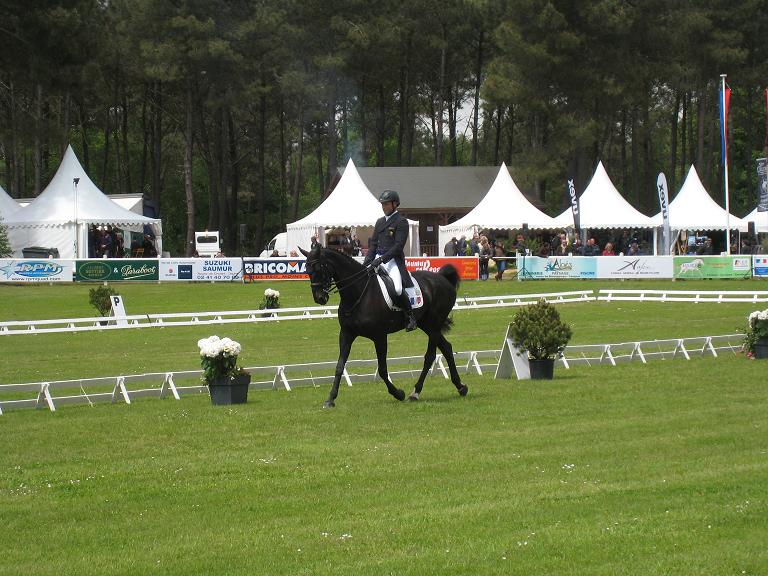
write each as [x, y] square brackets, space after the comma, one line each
[429, 359]
[345, 345]
[381, 356]
[447, 350]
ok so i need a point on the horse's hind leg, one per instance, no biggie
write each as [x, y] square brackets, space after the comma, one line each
[447, 350]
[345, 345]
[429, 359]
[381, 356]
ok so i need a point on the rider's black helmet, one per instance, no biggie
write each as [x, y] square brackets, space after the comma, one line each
[389, 196]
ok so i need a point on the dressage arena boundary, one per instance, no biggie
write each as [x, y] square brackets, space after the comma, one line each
[19, 327]
[125, 388]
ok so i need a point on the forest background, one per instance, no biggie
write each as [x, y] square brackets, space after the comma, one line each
[236, 114]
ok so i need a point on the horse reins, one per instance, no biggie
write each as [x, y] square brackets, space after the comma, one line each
[339, 285]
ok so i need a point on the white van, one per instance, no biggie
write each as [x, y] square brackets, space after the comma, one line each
[279, 243]
[207, 244]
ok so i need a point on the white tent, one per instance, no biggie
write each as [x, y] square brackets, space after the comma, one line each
[503, 207]
[601, 206]
[760, 219]
[60, 216]
[350, 205]
[694, 209]
[8, 205]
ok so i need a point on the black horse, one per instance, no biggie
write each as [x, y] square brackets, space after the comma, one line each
[364, 312]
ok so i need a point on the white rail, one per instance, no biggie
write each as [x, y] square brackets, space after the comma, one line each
[125, 388]
[696, 296]
[19, 327]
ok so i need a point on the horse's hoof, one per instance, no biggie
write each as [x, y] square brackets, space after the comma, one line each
[399, 394]
[414, 397]
[463, 390]
[329, 404]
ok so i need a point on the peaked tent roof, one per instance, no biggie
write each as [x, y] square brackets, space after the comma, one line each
[55, 206]
[349, 204]
[8, 205]
[503, 207]
[602, 206]
[694, 209]
[760, 219]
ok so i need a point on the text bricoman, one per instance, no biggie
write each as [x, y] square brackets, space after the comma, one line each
[278, 267]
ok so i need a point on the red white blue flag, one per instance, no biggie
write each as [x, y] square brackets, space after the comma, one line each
[725, 104]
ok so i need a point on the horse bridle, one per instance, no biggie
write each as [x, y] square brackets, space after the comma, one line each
[331, 286]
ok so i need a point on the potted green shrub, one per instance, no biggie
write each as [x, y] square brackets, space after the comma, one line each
[227, 383]
[538, 330]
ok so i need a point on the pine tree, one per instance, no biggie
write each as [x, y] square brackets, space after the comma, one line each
[5, 243]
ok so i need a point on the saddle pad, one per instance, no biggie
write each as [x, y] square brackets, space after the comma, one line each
[414, 294]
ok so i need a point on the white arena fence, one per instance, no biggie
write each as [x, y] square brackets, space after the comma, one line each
[271, 315]
[18, 327]
[125, 388]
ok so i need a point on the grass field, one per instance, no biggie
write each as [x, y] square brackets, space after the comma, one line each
[637, 469]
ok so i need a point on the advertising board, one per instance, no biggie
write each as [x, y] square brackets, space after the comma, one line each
[117, 270]
[535, 268]
[274, 269]
[760, 266]
[712, 267]
[201, 269]
[468, 267]
[622, 267]
[30, 270]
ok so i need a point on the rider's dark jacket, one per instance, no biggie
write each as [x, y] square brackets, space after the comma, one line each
[388, 242]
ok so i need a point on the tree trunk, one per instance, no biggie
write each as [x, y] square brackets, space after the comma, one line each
[332, 137]
[476, 106]
[261, 189]
[234, 181]
[452, 113]
[157, 143]
[440, 103]
[701, 121]
[188, 191]
[673, 129]
[38, 151]
[497, 139]
[684, 135]
[380, 126]
[297, 181]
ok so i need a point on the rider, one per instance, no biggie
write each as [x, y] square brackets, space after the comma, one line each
[387, 247]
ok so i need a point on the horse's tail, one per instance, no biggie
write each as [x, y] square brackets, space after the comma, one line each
[451, 274]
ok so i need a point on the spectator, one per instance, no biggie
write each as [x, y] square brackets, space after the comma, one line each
[591, 249]
[501, 263]
[450, 247]
[461, 246]
[357, 246]
[706, 248]
[149, 247]
[577, 248]
[474, 245]
[485, 252]
[634, 250]
[314, 243]
[609, 250]
[520, 244]
[563, 249]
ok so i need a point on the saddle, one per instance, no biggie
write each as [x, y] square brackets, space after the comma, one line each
[390, 296]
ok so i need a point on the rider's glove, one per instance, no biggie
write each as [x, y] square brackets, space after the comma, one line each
[376, 262]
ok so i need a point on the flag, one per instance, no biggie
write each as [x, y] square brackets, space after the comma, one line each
[574, 204]
[724, 103]
[762, 184]
[661, 187]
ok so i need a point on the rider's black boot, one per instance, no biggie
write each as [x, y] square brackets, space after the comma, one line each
[405, 304]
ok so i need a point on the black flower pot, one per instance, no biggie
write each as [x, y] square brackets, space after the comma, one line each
[761, 348]
[542, 369]
[227, 390]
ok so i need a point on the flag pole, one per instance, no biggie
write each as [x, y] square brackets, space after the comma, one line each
[724, 127]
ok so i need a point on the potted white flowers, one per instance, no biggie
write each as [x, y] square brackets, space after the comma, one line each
[227, 383]
[756, 337]
[271, 300]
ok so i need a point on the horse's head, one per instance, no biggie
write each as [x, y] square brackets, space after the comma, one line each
[320, 275]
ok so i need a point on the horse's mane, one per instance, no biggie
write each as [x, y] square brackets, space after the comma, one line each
[335, 254]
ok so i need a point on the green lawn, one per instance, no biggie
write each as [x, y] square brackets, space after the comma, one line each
[657, 469]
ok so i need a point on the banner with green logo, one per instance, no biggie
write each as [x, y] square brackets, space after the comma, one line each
[695, 267]
[117, 270]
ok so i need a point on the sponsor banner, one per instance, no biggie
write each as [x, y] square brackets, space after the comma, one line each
[535, 268]
[274, 269]
[760, 266]
[712, 266]
[634, 266]
[117, 270]
[31, 270]
[201, 269]
[468, 267]
[762, 184]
